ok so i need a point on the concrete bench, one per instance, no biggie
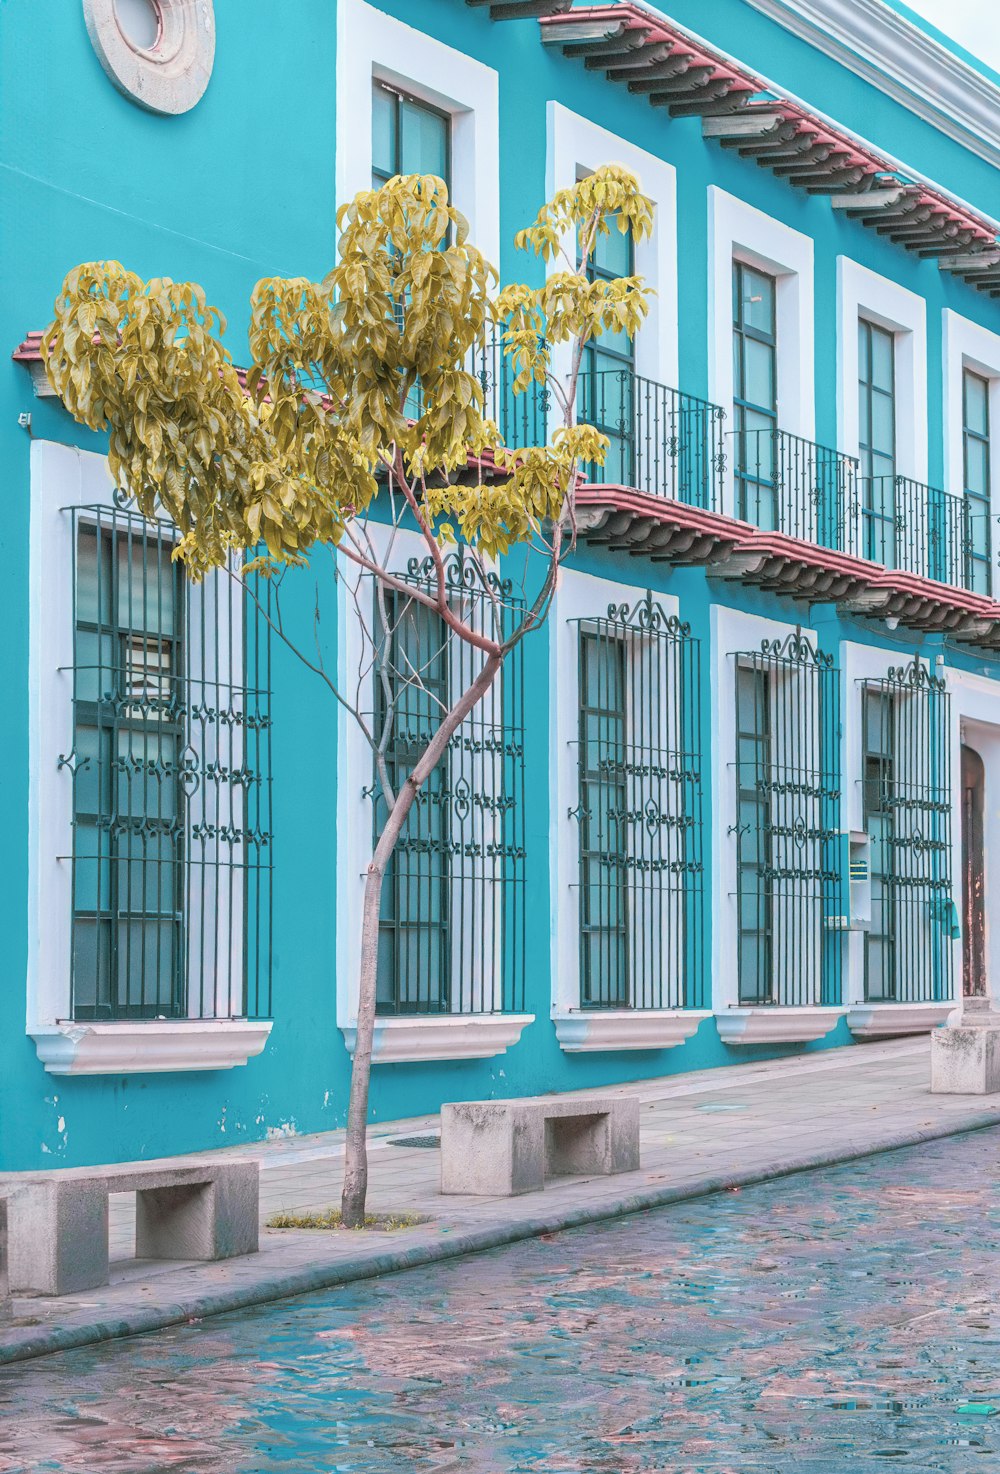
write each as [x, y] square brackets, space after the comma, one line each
[496, 1148]
[58, 1221]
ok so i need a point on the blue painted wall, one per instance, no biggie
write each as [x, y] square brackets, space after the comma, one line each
[242, 187]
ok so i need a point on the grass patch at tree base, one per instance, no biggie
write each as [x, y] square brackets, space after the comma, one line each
[331, 1218]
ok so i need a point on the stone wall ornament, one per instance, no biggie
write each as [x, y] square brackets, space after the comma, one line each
[158, 52]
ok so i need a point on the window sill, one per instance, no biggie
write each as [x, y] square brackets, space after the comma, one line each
[146, 1047]
[890, 1020]
[770, 1025]
[442, 1036]
[584, 1031]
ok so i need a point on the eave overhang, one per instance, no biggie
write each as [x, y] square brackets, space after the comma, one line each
[653, 57]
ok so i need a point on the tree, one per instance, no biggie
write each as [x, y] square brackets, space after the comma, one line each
[361, 412]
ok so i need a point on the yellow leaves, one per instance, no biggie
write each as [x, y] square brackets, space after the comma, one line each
[371, 367]
[609, 196]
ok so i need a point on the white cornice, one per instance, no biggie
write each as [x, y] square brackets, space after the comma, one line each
[903, 61]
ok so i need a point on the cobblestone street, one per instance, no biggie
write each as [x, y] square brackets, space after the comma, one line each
[838, 1320]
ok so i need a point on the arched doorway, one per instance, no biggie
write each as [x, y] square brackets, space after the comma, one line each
[973, 878]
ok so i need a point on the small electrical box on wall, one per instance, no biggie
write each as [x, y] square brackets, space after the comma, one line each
[858, 883]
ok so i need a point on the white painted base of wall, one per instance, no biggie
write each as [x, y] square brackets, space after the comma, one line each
[626, 1028]
[149, 1046]
[776, 1025]
[889, 1020]
[442, 1036]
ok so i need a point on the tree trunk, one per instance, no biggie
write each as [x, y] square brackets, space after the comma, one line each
[352, 1203]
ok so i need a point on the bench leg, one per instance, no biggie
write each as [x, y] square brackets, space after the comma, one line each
[58, 1237]
[213, 1220]
[487, 1151]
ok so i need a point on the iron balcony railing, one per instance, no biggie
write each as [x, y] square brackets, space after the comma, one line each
[919, 529]
[522, 418]
[784, 483]
[662, 441]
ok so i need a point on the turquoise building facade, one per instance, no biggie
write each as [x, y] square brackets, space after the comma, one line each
[745, 799]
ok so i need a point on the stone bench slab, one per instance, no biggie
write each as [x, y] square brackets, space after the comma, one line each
[505, 1147]
[58, 1221]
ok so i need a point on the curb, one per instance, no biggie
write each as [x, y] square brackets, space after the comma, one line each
[302, 1282]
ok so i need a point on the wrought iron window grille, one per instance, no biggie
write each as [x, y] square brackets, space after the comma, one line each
[451, 935]
[787, 771]
[171, 782]
[907, 804]
[639, 810]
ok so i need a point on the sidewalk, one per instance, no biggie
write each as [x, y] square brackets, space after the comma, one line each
[701, 1133]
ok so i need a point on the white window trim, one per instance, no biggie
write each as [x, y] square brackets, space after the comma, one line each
[865, 294]
[62, 477]
[371, 44]
[577, 146]
[966, 345]
[582, 596]
[732, 633]
[739, 232]
[860, 663]
[406, 1037]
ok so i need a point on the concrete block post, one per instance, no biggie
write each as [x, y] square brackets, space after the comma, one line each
[965, 1059]
[208, 1220]
[58, 1236]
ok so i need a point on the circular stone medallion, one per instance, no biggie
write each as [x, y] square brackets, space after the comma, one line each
[158, 52]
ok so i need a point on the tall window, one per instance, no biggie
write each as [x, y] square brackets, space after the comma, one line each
[976, 475]
[414, 970]
[170, 770]
[603, 822]
[755, 394]
[607, 387]
[787, 824]
[879, 795]
[639, 811]
[906, 751]
[128, 735]
[877, 441]
[408, 137]
[753, 759]
[451, 927]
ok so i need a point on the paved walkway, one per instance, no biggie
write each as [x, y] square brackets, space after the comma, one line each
[701, 1132]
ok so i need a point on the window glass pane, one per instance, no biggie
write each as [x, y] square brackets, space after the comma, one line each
[146, 579]
[613, 252]
[977, 467]
[383, 130]
[423, 141]
[976, 403]
[93, 578]
[759, 384]
[882, 429]
[864, 351]
[757, 301]
[881, 362]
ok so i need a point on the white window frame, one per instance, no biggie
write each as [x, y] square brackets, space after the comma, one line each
[877, 299]
[579, 597]
[63, 477]
[967, 345]
[374, 46]
[740, 232]
[398, 1037]
[576, 147]
[861, 663]
[735, 632]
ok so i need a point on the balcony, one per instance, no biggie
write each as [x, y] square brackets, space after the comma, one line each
[913, 528]
[786, 484]
[663, 443]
